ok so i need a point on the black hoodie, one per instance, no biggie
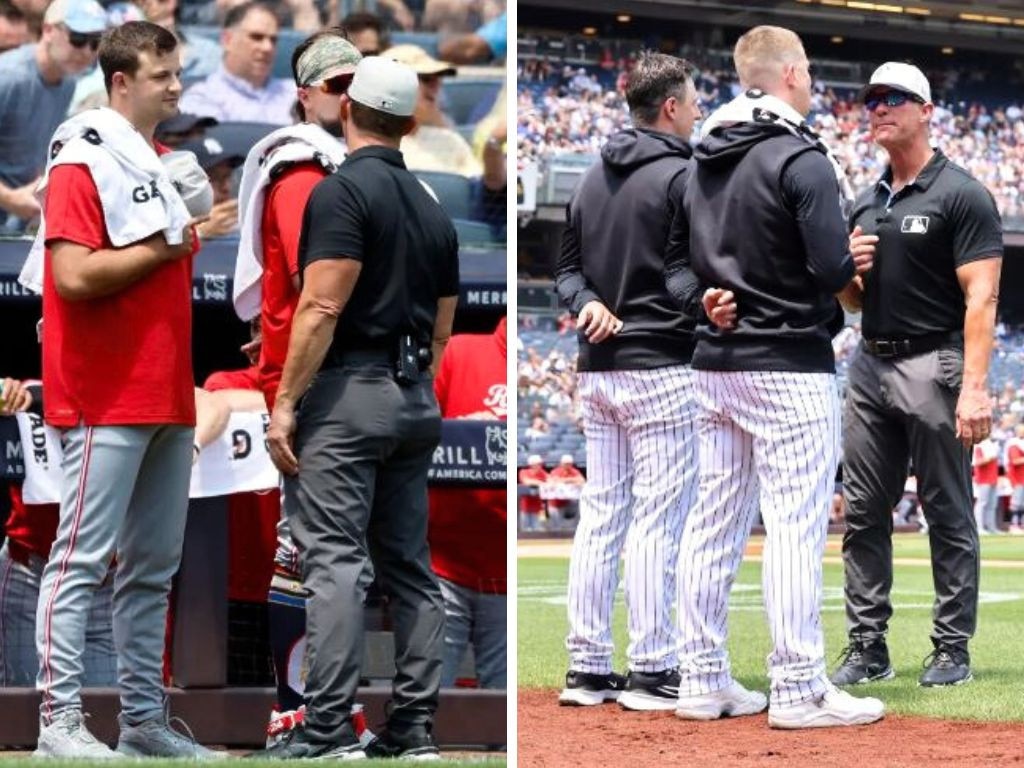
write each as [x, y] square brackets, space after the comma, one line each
[766, 222]
[614, 248]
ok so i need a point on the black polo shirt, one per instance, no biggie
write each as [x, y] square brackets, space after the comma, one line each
[942, 220]
[375, 211]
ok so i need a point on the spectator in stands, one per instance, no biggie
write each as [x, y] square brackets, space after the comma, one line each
[487, 43]
[531, 505]
[14, 31]
[30, 530]
[985, 460]
[219, 165]
[453, 17]
[366, 31]
[36, 86]
[200, 56]
[467, 527]
[566, 473]
[242, 88]
[432, 146]
[489, 144]
[1015, 473]
[181, 128]
[33, 11]
[539, 428]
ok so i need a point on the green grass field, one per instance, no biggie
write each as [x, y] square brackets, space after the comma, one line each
[996, 652]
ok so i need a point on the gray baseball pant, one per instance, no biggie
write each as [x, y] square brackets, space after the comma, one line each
[364, 445]
[897, 410]
[125, 492]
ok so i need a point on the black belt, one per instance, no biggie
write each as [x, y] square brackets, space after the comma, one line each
[913, 345]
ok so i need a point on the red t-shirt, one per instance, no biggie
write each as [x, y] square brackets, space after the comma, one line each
[1015, 473]
[987, 473]
[563, 472]
[280, 229]
[468, 526]
[247, 378]
[32, 527]
[532, 505]
[119, 359]
[252, 516]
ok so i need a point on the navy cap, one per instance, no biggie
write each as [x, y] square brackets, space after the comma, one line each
[210, 152]
[182, 123]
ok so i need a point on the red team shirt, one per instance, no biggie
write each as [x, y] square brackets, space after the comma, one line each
[1015, 473]
[987, 473]
[532, 505]
[119, 359]
[467, 526]
[280, 228]
[252, 517]
[31, 528]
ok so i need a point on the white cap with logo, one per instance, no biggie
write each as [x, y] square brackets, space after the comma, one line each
[386, 86]
[902, 77]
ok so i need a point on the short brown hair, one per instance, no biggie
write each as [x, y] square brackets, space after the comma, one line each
[120, 47]
[370, 120]
[655, 78]
[762, 52]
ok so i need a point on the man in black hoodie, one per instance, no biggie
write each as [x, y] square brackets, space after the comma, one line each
[635, 393]
[764, 221]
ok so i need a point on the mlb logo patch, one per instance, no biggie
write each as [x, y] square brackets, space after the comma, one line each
[914, 225]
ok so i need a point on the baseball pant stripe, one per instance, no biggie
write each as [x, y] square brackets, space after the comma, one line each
[75, 524]
[787, 428]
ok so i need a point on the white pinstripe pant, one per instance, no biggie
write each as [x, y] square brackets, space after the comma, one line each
[641, 478]
[768, 440]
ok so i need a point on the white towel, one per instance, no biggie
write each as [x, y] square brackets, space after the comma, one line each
[137, 194]
[755, 106]
[285, 146]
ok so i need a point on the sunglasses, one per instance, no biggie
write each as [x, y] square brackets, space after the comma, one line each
[890, 99]
[337, 85]
[80, 39]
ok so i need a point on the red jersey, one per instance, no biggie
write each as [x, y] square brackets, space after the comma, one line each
[468, 530]
[247, 378]
[985, 472]
[125, 358]
[31, 527]
[565, 473]
[532, 505]
[1015, 473]
[280, 229]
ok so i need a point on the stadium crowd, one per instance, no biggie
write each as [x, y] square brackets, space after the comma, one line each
[550, 428]
[573, 110]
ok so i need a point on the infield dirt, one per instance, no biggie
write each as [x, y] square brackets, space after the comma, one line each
[550, 735]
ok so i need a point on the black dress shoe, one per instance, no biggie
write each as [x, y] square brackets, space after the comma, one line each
[299, 745]
[409, 742]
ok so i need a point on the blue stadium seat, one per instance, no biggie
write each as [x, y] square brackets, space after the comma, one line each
[462, 97]
[472, 232]
[287, 41]
[426, 40]
[454, 191]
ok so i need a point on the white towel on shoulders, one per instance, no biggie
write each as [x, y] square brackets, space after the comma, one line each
[292, 144]
[138, 196]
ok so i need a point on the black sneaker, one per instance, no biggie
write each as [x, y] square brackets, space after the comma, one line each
[946, 665]
[297, 744]
[411, 742]
[864, 661]
[651, 691]
[583, 689]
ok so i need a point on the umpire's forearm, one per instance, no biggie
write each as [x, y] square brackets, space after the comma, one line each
[312, 332]
[979, 339]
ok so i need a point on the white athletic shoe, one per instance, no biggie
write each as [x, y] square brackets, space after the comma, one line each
[834, 708]
[732, 701]
[67, 737]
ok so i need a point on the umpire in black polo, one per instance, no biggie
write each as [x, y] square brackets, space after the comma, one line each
[379, 263]
[918, 389]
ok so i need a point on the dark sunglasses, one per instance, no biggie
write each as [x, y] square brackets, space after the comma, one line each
[890, 99]
[80, 39]
[337, 85]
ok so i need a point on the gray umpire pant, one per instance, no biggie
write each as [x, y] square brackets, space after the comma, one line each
[364, 445]
[900, 409]
[125, 492]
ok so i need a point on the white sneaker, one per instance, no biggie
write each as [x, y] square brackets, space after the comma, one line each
[67, 737]
[834, 708]
[732, 701]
